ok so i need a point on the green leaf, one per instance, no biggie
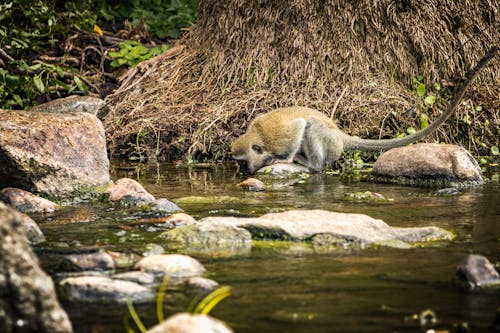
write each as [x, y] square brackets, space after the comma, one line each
[430, 100]
[411, 130]
[35, 67]
[37, 80]
[79, 83]
[495, 151]
[420, 89]
[424, 121]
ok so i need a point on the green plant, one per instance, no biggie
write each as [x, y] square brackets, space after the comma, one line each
[164, 18]
[131, 53]
[197, 306]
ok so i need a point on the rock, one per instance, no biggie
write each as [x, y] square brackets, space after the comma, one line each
[152, 249]
[74, 103]
[124, 260]
[28, 301]
[97, 261]
[99, 289]
[165, 205]
[209, 237]
[252, 185]
[201, 283]
[128, 191]
[190, 323]
[428, 164]
[57, 154]
[283, 169]
[172, 265]
[142, 278]
[478, 272]
[26, 202]
[342, 228]
[27, 226]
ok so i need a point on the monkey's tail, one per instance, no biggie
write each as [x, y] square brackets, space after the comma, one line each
[354, 143]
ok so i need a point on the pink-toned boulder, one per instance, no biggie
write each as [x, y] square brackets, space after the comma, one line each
[128, 190]
[428, 164]
[60, 154]
[25, 201]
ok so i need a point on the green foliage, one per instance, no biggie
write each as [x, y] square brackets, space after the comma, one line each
[164, 18]
[131, 53]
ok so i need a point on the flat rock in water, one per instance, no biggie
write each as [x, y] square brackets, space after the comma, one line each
[25, 201]
[97, 261]
[341, 228]
[191, 323]
[27, 226]
[58, 154]
[100, 289]
[283, 169]
[428, 164]
[172, 265]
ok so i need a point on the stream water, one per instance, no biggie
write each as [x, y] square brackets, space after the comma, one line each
[291, 288]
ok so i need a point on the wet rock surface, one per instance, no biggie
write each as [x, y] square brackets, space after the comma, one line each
[172, 265]
[283, 169]
[131, 193]
[98, 261]
[428, 164]
[478, 272]
[191, 323]
[25, 201]
[27, 226]
[28, 301]
[252, 185]
[316, 226]
[102, 289]
[58, 154]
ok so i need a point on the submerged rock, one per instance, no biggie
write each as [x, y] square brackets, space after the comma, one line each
[101, 289]
[25, 201]
[27, 226]
[478, 272]
[28, 301]
[57, 154]
[190, 323]
[322, 228]
[428, 164]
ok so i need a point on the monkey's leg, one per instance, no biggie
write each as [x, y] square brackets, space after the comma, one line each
[321, 145]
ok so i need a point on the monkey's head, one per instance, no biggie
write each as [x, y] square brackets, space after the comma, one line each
[250, 154]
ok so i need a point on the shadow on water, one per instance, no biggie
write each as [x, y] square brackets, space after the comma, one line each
[288, 289]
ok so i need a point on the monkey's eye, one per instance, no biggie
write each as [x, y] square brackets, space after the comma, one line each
[258, 149]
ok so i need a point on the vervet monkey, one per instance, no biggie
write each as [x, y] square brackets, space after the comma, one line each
[308, 137]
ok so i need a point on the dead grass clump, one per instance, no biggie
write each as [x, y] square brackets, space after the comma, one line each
[355, 61]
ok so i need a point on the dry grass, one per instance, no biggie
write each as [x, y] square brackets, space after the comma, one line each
[355, 63]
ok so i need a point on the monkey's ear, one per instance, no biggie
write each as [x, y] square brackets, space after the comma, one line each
[258, 149]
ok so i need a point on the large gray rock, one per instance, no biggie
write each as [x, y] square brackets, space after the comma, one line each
[28, 301]
[321, 228]
[428, 164]
[27, 226]
[102, 289]
[190, 323]
[58, 154]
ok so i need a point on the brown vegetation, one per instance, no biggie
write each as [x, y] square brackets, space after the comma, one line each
[357, 63]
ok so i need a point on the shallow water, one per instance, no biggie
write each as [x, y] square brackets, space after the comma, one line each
[293, 289]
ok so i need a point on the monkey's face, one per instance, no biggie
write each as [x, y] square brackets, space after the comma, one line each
[250, 156]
